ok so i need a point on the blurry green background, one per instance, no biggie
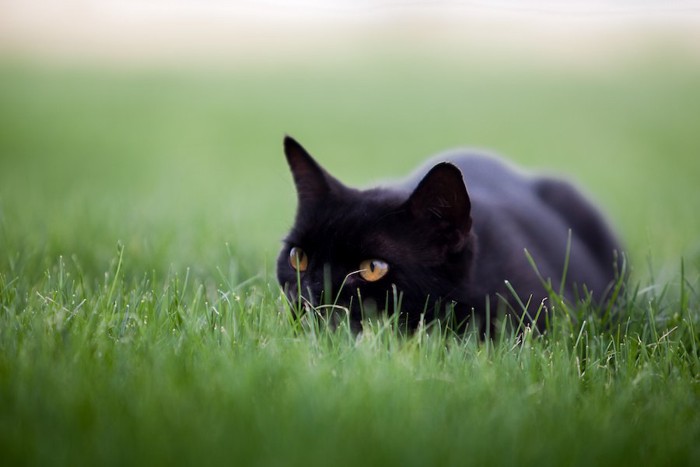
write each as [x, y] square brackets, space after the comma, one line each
[161, 128]
[158, 125]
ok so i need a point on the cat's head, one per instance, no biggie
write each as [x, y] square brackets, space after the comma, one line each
[377, 249]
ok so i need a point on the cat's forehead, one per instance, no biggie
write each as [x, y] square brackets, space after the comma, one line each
[365, 205]
[363, 210]
[353, 213]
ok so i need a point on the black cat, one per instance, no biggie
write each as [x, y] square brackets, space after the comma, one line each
[427, 248]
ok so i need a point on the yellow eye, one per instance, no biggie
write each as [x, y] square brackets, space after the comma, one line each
[372, 270]
[298, 259]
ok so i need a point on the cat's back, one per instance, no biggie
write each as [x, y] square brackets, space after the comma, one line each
[501, 192]
[513, 209]
[504, 196]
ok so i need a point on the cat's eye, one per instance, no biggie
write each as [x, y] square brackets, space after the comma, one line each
[372, 270]
[298, 259]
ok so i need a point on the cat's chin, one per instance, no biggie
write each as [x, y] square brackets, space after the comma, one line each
[335, 315]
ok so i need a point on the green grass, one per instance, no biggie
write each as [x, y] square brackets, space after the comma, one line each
[140, 216]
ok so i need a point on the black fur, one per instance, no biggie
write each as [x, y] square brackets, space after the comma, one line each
[446, 249]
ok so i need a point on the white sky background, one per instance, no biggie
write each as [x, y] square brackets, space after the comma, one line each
[192, 29]
[326, 8]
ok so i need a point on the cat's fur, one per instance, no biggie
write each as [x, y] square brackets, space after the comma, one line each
[448, 245]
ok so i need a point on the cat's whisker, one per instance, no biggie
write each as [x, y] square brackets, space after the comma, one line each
[342, 285]
[333, 308]
[309, 300]
[307, 305]
[347, 276]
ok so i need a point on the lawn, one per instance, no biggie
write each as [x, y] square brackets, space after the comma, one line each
[141, 210]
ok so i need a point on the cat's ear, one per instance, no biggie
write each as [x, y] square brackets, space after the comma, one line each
[311, 180]
[441, 198]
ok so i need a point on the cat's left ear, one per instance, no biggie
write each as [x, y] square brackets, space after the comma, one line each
[313, 183]
[441, 198]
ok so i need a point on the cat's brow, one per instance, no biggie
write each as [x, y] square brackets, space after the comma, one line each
[393, 213]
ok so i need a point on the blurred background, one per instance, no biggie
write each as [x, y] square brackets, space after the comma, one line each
[158, 124]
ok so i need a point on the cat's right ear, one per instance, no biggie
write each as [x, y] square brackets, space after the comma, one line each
[441, 198]
[311, 180]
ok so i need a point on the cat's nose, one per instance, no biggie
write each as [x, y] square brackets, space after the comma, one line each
[293, 297]
[300, 303]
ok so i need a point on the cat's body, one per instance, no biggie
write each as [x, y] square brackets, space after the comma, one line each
[430, 242]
